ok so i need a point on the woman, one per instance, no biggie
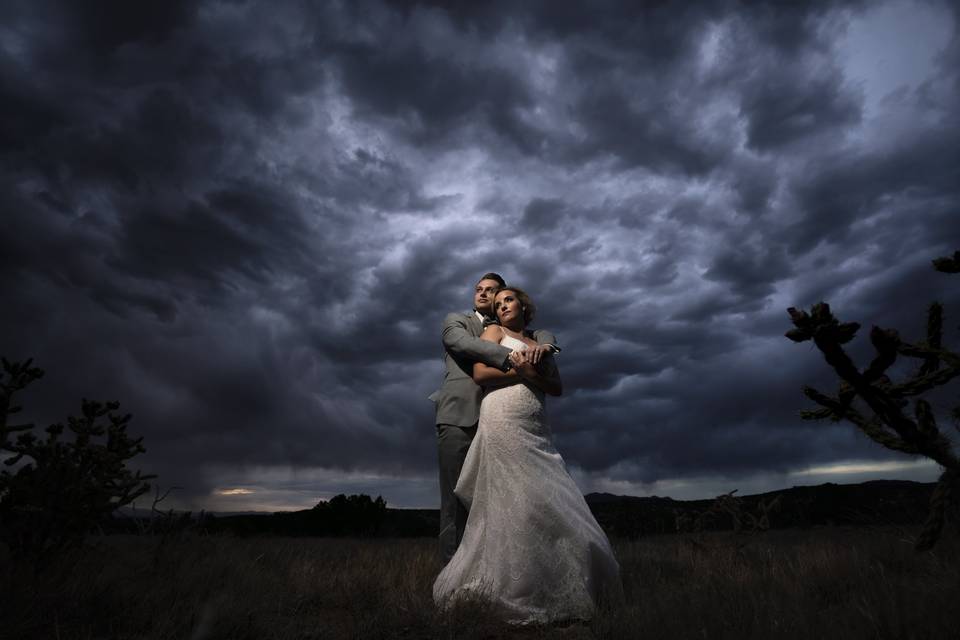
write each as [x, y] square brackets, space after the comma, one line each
[531, 544]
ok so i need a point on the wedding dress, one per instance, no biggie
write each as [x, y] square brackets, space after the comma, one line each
[531, 544]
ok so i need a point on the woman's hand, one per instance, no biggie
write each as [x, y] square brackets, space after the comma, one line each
[526, 369]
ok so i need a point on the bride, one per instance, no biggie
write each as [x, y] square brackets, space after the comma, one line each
[531, 544]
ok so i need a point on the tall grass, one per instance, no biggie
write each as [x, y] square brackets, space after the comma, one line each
[827, 583]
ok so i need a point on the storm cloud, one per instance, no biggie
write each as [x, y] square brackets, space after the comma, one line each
[246, 221]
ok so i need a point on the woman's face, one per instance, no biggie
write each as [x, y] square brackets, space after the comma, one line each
[507, 307]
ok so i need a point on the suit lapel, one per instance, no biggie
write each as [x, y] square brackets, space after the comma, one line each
[475, 323]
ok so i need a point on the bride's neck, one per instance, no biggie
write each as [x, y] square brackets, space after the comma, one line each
[515, 328]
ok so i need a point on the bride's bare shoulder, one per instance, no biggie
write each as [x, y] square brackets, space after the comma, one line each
[493, 333]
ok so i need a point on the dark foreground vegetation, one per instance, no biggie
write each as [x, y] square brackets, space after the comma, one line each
[830, 582]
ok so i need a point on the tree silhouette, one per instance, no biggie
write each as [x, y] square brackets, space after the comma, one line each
[56, 489]
[350, 515]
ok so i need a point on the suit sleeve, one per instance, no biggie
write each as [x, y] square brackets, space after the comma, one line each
[542, 336]
[458, 340]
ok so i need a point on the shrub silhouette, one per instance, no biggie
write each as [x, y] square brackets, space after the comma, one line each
[350, 515]
[889, 425]
[55, 489]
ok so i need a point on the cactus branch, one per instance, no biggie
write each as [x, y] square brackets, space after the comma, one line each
[888, 425]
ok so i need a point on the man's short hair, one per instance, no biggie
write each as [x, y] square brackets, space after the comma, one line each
[493, 276]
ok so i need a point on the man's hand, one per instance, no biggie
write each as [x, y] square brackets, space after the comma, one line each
[531, 355]
[534, 355]
[537, 353]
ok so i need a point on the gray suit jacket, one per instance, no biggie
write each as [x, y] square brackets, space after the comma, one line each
[458, 399]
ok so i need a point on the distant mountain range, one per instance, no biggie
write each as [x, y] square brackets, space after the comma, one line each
[878, 502]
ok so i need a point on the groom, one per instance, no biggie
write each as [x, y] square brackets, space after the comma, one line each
[458, 399]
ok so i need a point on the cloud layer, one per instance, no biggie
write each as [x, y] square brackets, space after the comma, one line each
[246, 221]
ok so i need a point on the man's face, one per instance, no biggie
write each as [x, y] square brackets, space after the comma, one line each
[483, 295]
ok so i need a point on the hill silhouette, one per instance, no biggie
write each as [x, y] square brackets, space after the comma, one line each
[877, 502]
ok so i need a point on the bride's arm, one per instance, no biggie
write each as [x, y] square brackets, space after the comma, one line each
[546, 377]
[488, 376]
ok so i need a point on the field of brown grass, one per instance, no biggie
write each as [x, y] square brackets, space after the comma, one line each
[821, 583]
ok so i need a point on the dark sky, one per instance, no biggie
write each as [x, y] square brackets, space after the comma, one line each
[246, 221]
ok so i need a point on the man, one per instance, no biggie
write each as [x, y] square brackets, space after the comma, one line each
[458, 399]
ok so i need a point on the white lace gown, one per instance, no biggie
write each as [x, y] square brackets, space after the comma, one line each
[531, 544]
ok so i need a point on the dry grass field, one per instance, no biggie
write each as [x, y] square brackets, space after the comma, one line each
[821, 583]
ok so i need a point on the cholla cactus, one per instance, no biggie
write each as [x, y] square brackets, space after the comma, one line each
[59, 489]
[887, 422]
